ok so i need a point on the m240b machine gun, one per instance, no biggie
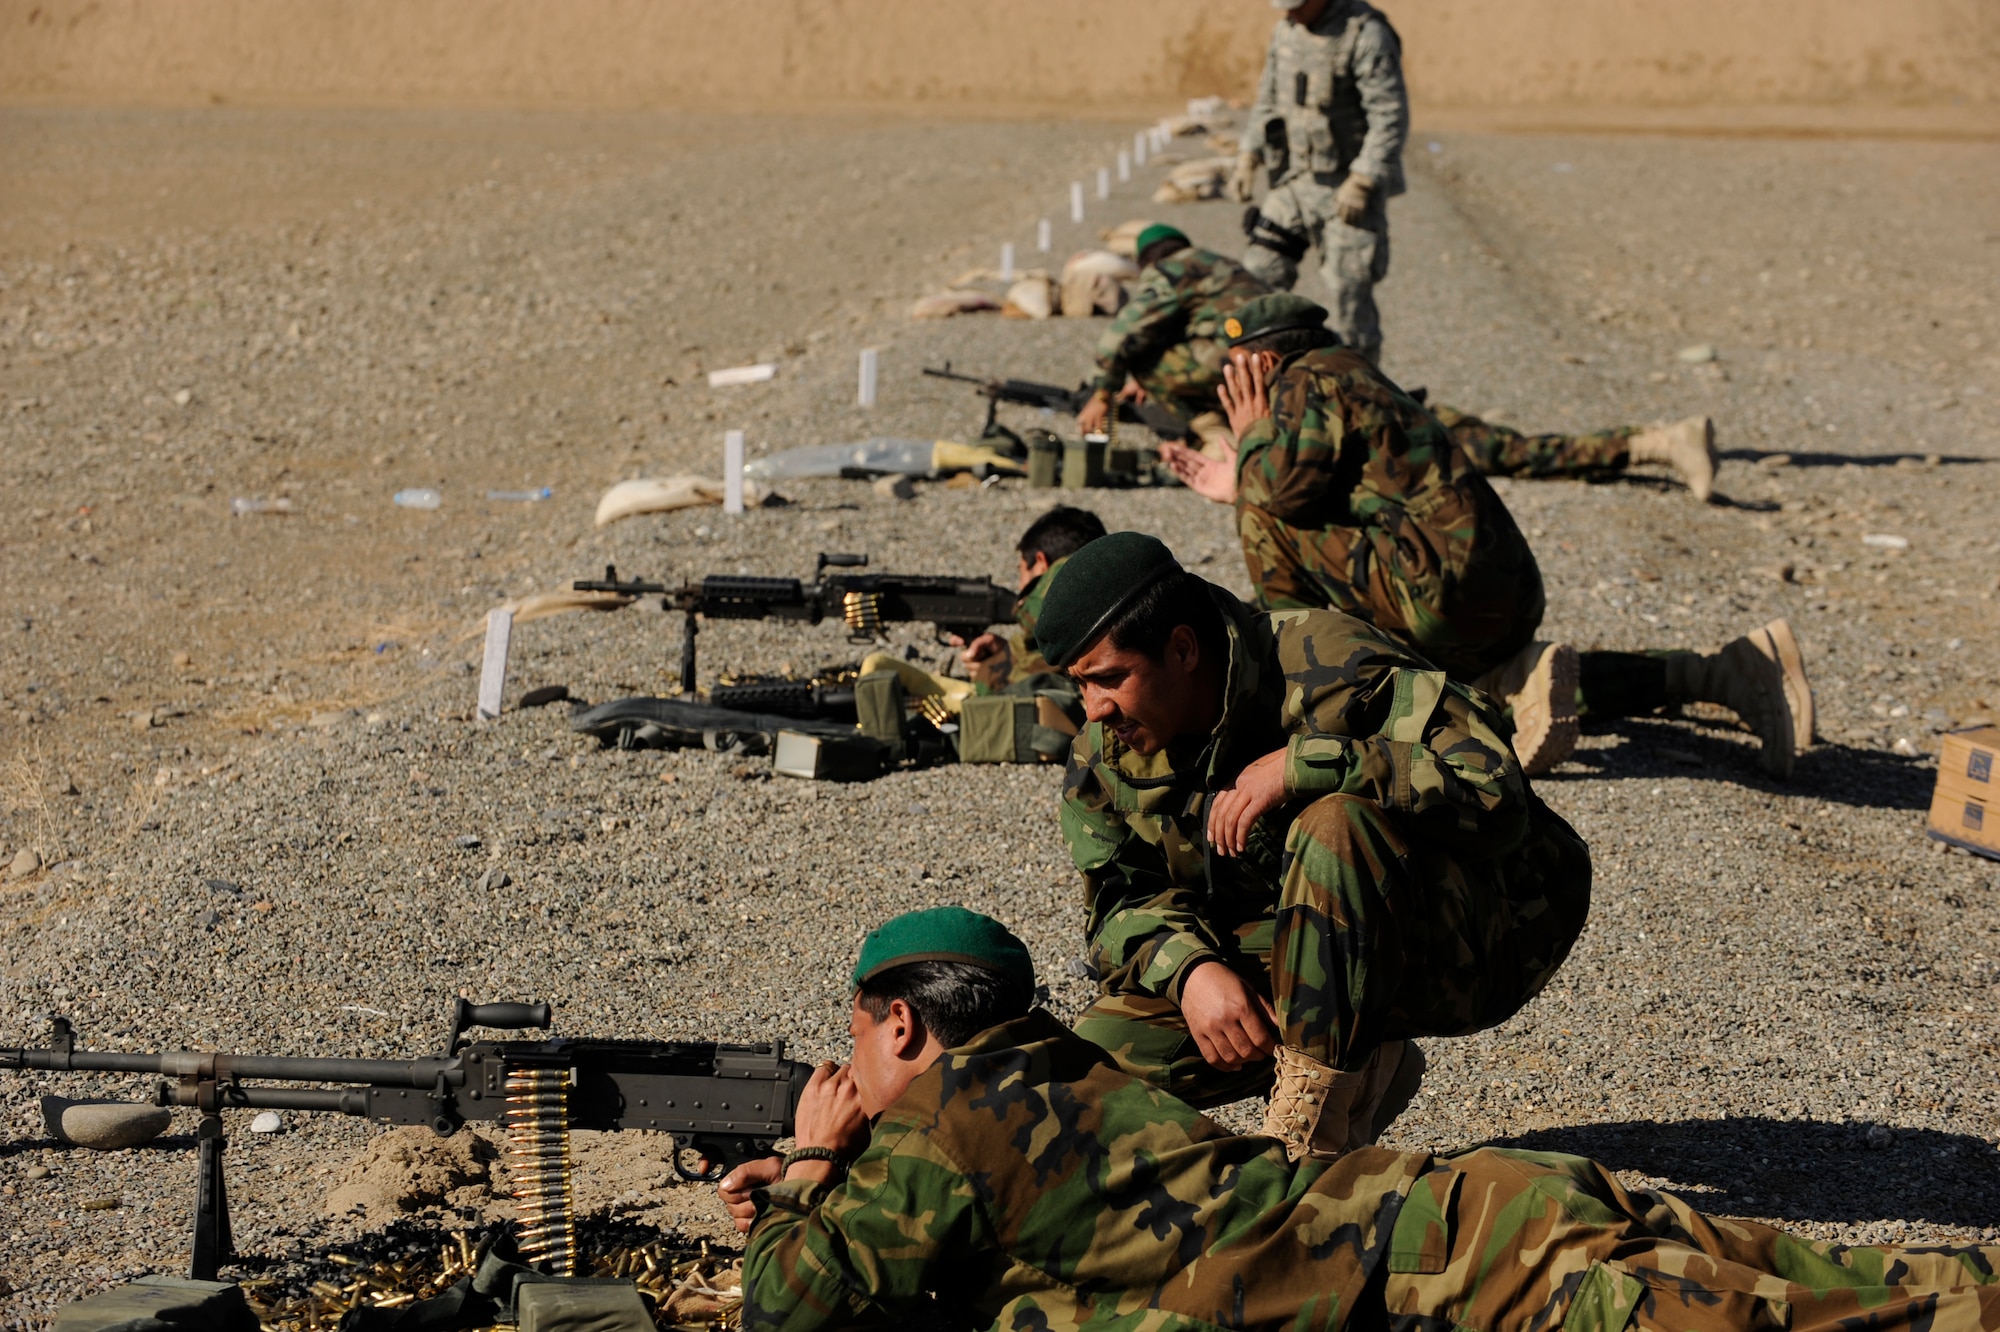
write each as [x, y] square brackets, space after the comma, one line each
[726, 1103]
[1162, 421]
[864, 602]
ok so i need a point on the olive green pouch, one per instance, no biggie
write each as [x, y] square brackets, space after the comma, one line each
[997, 729]
[879, 707]
[161, 1304]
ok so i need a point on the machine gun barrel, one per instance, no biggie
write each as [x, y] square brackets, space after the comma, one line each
[1161, 420]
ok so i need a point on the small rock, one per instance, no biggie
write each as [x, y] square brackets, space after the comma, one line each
[182, 660]
[895, 486]
[544, 695]
[268, 1122]
[1904, 749]
[98, 1204]
[222, 886]
[209, 919]
[494, 879]
[64, 785]
[1699, 354]
[183, 398]
[25, 862]
[1080, 968]
[36, 1172]
[467, 843]
[1775, 460]
[611, 823]
[104, 1126]
[1879, 1137]
[376, 718]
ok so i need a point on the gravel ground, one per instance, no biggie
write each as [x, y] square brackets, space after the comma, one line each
[1785, 1001]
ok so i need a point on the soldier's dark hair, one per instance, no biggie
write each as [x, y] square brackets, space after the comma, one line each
[1060, 533]
[1161, 248]
[1289, 340]
[954, 1000]
[1178, 599]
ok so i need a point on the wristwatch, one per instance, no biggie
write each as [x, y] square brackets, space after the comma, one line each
[798, 1154]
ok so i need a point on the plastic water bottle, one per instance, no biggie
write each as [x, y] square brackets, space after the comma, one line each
[420, 498]
[513, 496]
[241, 507]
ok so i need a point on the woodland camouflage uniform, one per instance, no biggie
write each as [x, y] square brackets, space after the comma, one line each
[1498, 450]
[1351, 495]
[1412, 886]
[1169, 335]
[1023, 1181]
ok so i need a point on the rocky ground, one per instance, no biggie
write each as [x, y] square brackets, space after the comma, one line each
[242, 749]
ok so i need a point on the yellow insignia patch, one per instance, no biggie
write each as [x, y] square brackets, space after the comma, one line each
[1232, 328]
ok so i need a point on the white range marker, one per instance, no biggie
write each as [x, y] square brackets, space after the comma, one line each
[1139, 147]
[1043, 239]
[732, 472]
[867, 395]
[1076, 201]
[1104, 182]
[1124, 165]
[493, 670]
[1007, 261]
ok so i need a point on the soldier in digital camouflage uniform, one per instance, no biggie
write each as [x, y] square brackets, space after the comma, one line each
[1328, 124]
[1298, 840]
[1349, 494]
[978, 1165]
[1167, 344]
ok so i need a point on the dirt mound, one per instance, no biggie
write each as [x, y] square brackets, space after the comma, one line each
[409, 1169]
[1029, 54]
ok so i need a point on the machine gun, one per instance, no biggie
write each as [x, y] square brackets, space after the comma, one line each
[863, 602]
[1162, 421]
[726, 1103]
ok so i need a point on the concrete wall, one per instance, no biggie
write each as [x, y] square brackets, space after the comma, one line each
[1109, 55]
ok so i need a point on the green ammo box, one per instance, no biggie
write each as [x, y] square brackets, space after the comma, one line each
[162, 1304]
[1083, 462]
[580, 1306]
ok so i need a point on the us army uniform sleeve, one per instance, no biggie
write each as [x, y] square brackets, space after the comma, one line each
[1149, 321]
[1263, 107]
[1142, 922]
[1364, 721]
[1378, 79]
[863, 1253]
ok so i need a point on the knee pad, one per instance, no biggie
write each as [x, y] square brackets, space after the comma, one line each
[1285, 241]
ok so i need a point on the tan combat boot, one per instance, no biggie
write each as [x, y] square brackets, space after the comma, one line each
[1539, 684]
[1761, 677]
[1324, 1113]
[1686, 446]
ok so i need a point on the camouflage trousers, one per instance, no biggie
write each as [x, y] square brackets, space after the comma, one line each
[1583, 1253]
[1497, 450]
[1467, 618]
[1353, 257]
[1376, 937]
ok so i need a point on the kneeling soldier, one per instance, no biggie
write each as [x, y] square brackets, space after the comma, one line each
[977, 1160]
[1299, 839]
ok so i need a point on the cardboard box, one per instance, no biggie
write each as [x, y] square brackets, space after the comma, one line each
[1965, 808]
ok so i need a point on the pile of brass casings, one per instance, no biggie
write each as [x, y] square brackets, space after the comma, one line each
[685, 1285]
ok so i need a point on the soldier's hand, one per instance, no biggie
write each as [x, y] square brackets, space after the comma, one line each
[736, 1187]
[1133, 391]
[1244, 396]
[1231, 1024]
[1351, 200]
[1091, 417]
[1243, 178]
[988, 661]
[1257, 790]
[1210, 477]
[830, 1113]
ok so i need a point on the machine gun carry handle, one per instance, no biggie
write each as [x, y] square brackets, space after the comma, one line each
[501, 1017]
[827, 561]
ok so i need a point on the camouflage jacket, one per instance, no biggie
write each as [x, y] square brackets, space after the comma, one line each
[1028, 659]
[1030, 1184]
[1354, 712]
[1331, 100]
[1168, 336]
[1345, 452]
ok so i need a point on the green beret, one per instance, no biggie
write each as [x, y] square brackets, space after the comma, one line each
[1094, 588]
[1159, 231]
[945, 934]
[1279, 312]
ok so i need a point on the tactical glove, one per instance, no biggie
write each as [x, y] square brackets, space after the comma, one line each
[1243, 180]
[1351, 201]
